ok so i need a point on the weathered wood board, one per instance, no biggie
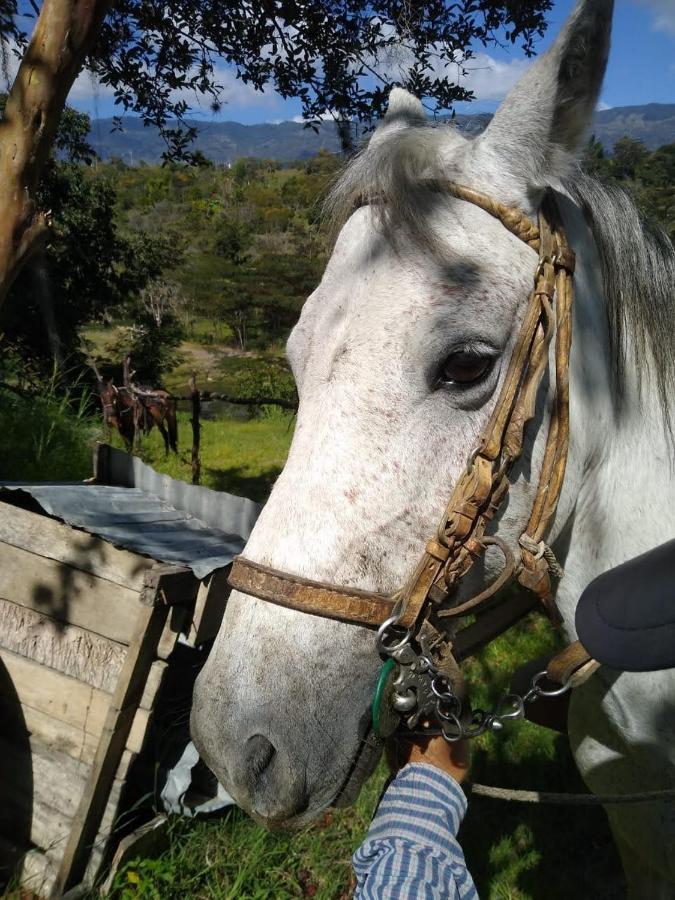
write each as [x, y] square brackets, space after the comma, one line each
[86, 630]
[115, 733]
[57, 735]
[209, 608]
[90, 658]
[44, 793]
[66, 699]
[68, 594]
[54, 540]
[74, 651]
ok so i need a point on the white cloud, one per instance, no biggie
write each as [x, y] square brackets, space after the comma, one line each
[602, 106]
[663, 12]
[237, 93]
[489, 78]
[87, 89]
[327, 116]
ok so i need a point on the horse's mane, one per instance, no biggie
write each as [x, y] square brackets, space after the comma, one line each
[638, 270]
[638, 259]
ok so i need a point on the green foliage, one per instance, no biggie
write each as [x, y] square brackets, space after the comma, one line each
[248, 168]
[89, 270]
[654, 187]
[262, 301]
[152, 346]
[46, 437]
[251, 377]
[648, 176]
[233, 239]
[250, 238]
[323, 163]
[627, 158]
[142, 258]
[593, 159]
[71, 141]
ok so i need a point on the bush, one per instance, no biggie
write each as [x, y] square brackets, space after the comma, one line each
[46, 437]
[233, 239]
[250, 377]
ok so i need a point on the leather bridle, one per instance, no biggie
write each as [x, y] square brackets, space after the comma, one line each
[425, 602]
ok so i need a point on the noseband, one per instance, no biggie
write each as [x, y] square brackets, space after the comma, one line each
[426, 607]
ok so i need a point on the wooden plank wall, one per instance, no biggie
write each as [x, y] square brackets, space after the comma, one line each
[57, 541]
[70, 605]
[83, 649]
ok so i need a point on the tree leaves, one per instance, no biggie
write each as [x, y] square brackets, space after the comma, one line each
[338, 58]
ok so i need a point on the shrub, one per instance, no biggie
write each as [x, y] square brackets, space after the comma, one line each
[47, 437]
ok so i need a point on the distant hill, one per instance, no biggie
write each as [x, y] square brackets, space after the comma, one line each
[653, 124]
[223, 142]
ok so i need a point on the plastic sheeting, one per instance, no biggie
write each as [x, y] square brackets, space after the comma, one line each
[191, 789]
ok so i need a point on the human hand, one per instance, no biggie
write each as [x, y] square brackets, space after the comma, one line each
[452, 758]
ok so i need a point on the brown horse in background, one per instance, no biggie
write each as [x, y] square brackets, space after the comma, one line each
[133, 410]
[155, 407]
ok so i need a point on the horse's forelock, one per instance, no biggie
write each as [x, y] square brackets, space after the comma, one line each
[387, 174]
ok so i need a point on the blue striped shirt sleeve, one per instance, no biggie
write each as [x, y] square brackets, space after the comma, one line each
[411, 850]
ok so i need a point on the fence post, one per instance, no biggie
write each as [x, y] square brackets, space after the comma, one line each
[137, 411]
[196, 400]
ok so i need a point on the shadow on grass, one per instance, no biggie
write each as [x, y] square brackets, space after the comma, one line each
[237, 480]
[517, 850]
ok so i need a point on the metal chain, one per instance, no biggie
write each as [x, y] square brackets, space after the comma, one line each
[421, 693]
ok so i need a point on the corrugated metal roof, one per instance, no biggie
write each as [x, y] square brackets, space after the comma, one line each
[146, 522]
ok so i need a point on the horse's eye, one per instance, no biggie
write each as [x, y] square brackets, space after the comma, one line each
[464, 368]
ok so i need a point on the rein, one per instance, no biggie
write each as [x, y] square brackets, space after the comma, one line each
[423, 609]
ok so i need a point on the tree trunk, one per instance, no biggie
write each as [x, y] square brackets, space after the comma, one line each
[39, 275]
[345, 132]
[63, 35]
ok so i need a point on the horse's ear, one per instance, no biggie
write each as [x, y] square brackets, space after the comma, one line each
[404, 108]
[539, 126]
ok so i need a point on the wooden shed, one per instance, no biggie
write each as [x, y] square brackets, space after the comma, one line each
[98, 583]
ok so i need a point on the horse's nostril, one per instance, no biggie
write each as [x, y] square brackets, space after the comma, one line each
[259, 754]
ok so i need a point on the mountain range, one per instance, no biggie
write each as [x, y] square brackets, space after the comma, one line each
[223, 142]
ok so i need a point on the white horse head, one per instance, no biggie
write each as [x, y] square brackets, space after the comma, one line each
[399, 356]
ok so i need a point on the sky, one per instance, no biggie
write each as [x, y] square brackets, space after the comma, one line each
[641, 70]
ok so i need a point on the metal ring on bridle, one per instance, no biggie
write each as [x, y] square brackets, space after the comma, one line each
[552, 692]
[387, 626]
[442, 693]
[452, 738]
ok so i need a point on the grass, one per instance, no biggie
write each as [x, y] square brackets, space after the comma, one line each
[233, 858]
[240, 456]
[45, 438]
